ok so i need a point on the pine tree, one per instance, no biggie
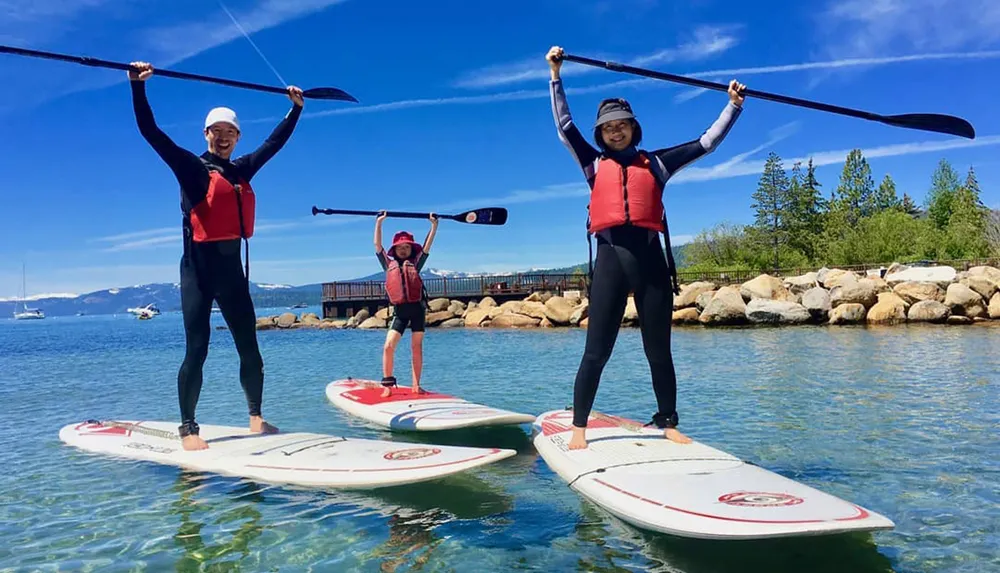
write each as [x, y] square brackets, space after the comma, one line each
[885, 197]
[967, 226]
[856, 192]
[972, 187]
[805, 211]
[771, 202]
[944, 186]
[909, 207]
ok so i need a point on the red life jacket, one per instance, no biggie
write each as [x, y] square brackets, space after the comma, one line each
[621, 196]
[227, 211]
[402, 282]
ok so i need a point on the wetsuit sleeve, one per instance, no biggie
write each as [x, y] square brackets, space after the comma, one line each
[187, 167]
[676, 158]
[251, 163]
[569, 134]
[420, 261]
[380, 255]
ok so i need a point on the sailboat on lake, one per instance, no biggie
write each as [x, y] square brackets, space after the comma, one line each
[26, 313]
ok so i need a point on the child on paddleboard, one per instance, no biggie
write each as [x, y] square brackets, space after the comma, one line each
[402, 264]
[626, 215]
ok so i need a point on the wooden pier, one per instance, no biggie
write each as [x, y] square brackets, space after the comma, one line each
[345, 299]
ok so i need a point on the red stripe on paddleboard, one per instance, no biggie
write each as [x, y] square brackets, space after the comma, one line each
[373, 396]
[493, 451]
[862, 513]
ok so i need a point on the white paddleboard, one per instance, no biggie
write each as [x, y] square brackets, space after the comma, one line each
[688, 490]
[404, 410]
[296, 458]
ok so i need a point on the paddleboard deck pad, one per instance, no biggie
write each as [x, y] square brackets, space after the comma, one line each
[688, 490]
[404, 410]
[296, 458]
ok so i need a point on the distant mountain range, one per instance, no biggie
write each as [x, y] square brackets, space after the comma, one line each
[167, 296]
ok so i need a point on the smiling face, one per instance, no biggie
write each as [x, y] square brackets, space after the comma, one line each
[403, 251]
[617, 134]
[222, 138]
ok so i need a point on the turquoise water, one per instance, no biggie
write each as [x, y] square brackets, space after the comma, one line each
[903, 420]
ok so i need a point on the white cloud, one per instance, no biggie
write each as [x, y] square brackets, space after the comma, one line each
[706, 41]
[869, 27]
[150, 243]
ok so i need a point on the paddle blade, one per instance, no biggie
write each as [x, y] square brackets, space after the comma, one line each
[485, 216]
[328, 93]
[933, 122]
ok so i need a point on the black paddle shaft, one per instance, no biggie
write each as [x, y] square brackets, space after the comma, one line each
[923, 121]
[484, 216]
[314, 93]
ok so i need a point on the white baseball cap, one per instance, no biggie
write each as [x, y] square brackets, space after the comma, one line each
[223, 115]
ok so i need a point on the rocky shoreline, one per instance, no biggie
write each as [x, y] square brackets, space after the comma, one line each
[901, 294]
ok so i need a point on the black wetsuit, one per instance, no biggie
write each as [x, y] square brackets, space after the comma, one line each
[212, 271]
[412, 314]
[631, 259]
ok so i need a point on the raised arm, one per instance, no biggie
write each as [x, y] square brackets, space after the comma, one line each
[187, 167]
[378, 232]
[584, 153]
[676, 158]
[251, 163]
[430, 234]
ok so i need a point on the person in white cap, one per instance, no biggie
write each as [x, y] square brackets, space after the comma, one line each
[218, 207]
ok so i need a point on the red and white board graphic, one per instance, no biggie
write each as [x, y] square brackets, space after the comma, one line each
[296, 458]
[689, 490]
[404, 410]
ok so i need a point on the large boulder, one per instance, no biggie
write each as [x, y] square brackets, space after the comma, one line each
[559, 310]
[373, 322]
[849, 313]
[476, 316]
[286, 320]
[689, 293]
[817, 302]
[438, 304]
[863, 292]
[981, 284]
[764, 311]
[928, 311]
[994, 309]
[963, 301]
[890, 309]
[453, 323]
[383, 313]
[267, 323]
[579, 313]
[703, 299]
[914, 292]
[726, 307]
[686, 316]
[941, 275]
[436, 318]
[487, 302]
[801, 284]
[534, 309]
[766, 287]
[512, 320]
[834, 278]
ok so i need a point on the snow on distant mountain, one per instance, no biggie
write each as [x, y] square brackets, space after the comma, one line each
[271, 287]
[41, 296]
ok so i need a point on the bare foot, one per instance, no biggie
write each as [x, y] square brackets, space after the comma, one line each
[387, 392]
[674, 436]
[418, 390]
[259, 426]
[579, 439]
[193, 442]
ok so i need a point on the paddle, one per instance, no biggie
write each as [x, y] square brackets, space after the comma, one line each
[484, 216]
[313, 93]
[923, 121]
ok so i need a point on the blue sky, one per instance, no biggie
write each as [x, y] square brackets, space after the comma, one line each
[454, 114]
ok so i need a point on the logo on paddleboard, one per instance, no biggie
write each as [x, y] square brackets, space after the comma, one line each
[411, 454]
[92, 429]
[759, 499]
[471, 217]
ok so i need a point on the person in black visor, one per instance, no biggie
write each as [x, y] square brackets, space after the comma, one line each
[626, 215]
